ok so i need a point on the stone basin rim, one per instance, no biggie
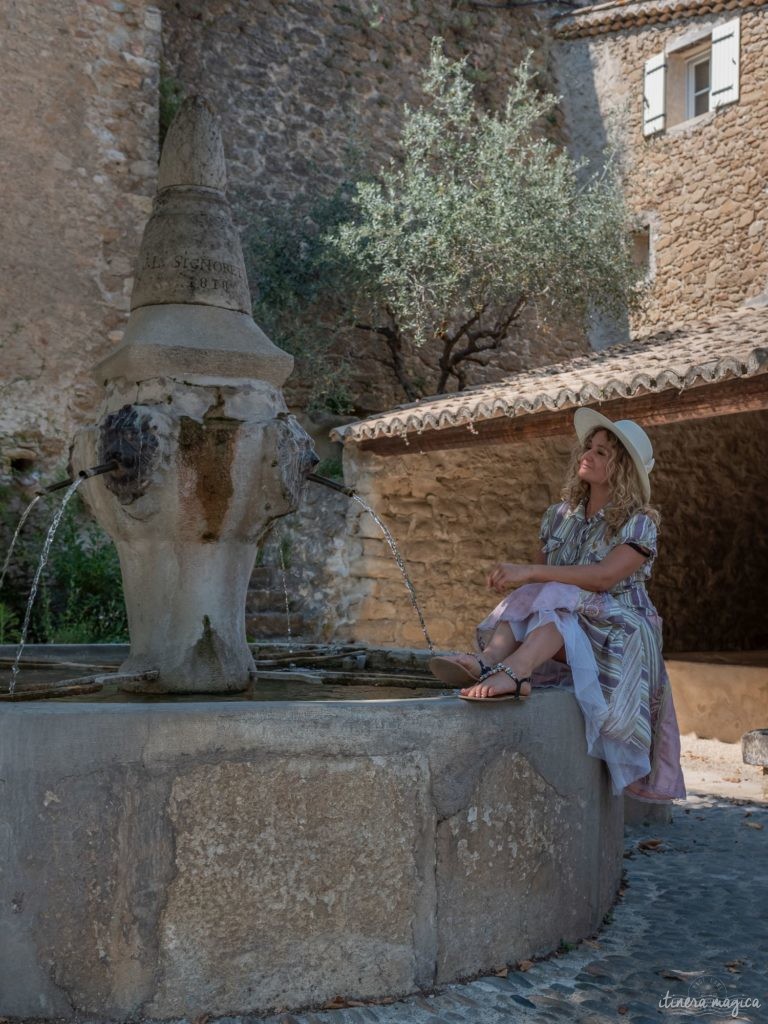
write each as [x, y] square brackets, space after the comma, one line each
[134, 795]
[256, 708]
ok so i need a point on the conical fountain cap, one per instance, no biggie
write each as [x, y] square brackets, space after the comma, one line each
[193, 152]
[191, 251]
[191, 306]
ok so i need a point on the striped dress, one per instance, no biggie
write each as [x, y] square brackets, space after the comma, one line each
[613, 647]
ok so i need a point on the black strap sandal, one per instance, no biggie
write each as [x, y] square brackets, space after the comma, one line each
[453, 674]
[492, 671]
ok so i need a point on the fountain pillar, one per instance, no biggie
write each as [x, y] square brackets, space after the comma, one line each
[194, 415]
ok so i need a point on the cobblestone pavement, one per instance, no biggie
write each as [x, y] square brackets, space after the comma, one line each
[693, 922]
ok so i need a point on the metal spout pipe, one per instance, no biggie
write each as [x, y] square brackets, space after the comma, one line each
[105, 467]
[84, 474]
[350, 493]
[55, 487]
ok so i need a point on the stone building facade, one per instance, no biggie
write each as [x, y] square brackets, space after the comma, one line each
[295, 83]
[695, 174]
[303, 84]
[680, 89]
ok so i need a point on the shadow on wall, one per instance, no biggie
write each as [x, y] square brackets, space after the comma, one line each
[585, 127]
[710, 483]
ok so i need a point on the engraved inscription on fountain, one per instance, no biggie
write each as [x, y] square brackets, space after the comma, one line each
[191, 252]
[201, 273]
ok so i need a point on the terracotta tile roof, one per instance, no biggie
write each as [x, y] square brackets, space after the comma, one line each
[618, 14]
[733, 345]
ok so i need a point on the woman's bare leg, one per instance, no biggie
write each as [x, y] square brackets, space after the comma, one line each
[502, 643]
[499, 647]
[539, 646]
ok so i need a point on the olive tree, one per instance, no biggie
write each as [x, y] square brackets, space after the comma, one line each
[483, 216]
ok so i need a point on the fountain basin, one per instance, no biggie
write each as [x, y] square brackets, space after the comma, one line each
[166, 859]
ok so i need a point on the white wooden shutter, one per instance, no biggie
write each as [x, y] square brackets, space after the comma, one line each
[654, 98]
[725, 64]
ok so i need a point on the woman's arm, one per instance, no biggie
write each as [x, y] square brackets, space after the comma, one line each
[616, 566]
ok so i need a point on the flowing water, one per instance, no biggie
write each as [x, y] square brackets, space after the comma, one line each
[401, 565]
[285, 593]
[36, 582]
[19, 528]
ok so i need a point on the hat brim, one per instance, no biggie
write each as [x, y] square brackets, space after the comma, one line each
[585, 420]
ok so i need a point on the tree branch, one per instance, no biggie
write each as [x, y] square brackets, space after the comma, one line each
[446, 362]
[513, 314]
[394, 340]
[449, 363]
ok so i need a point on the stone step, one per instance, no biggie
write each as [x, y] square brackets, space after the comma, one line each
[272, 600]
[270, 577]
[272, 624]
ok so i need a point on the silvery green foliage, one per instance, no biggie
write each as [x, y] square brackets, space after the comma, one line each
[483, 217]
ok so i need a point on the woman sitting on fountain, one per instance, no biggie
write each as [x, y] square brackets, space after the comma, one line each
[584, 604]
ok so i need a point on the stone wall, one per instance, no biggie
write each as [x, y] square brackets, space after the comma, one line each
[453, 513]
[298, 83]
[698, 184]
[78, 152]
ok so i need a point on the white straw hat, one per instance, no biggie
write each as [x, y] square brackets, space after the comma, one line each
[631, 435]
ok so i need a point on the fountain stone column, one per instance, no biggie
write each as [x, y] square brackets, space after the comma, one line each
[208, 456]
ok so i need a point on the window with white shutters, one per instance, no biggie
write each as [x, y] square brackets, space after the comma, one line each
[725, 64]
[697, 73]
[654, 98]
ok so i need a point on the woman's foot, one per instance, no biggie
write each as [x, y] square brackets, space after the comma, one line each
[504, 683]
[457, 669]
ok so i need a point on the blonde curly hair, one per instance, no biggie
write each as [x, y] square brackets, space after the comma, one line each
[624, 483]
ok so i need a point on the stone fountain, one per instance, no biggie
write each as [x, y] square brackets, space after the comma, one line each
[172, 858]
[207, 454]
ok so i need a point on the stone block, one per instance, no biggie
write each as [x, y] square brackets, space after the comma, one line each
[408, 629]
[375, 547]
[271, 624]
[375, 608]
[375, 631]
[375, 568]
[289, 845]
[754, 747]
[366, 527]
[269, 601]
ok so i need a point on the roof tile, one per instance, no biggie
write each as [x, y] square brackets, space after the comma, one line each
[733, 345]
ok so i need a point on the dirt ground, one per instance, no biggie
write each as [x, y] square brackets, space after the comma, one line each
[713, 767]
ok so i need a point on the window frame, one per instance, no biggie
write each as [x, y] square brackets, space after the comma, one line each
[691, 63]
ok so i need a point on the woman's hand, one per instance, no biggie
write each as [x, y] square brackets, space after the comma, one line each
[506, 575]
